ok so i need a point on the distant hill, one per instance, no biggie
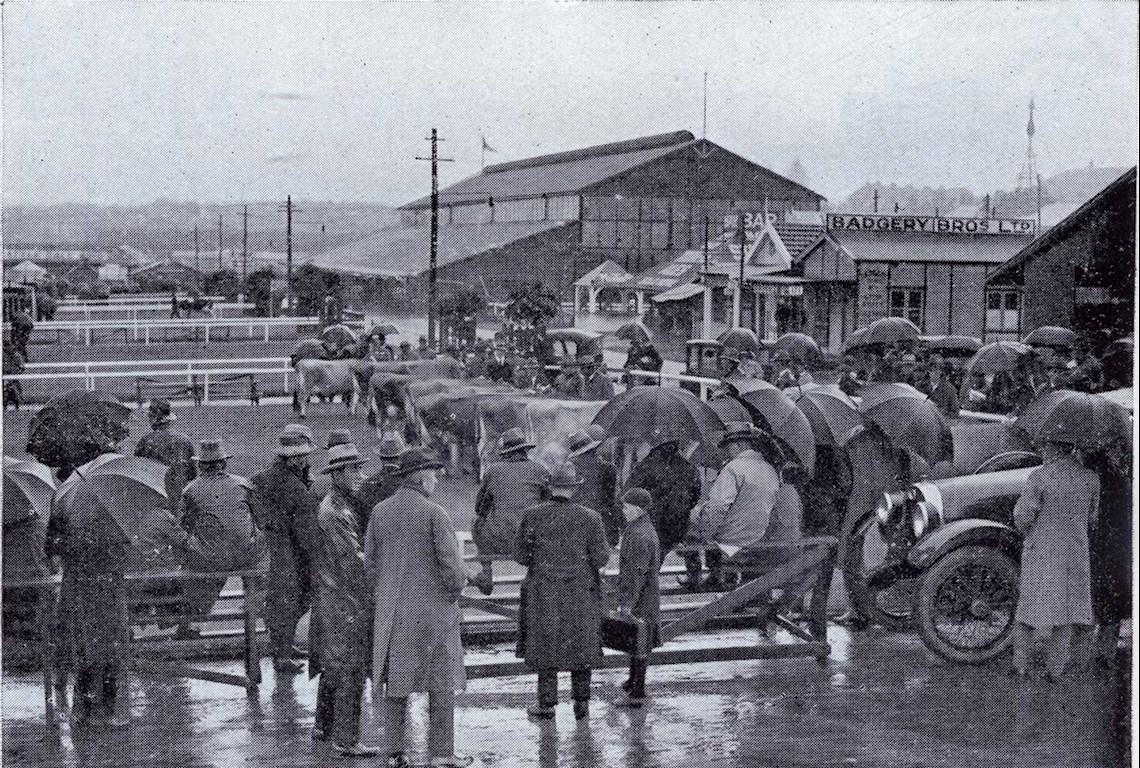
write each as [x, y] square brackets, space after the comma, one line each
[165, 226]
[1079, 184]
[906, 199]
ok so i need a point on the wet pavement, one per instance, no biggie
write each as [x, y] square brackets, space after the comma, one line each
[880, 700]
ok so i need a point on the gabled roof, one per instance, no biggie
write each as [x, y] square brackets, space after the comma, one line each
[1058, 232]
[797, 237]
[568, 173]
[608, 272]
[768, 250]
[164, 263]
[405, 251]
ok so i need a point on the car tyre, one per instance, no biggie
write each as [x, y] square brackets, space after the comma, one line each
[980, 576]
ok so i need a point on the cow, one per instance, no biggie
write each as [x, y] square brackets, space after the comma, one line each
[387, 382]
[327, 377]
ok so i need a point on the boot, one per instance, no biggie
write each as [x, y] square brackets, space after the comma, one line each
[540, 712]
[581, 709]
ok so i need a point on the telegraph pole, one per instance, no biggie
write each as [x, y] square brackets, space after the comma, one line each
[221, 264]
[740, 284]
[244, 242]
[289, 253]
[434, 246]
[197, 266]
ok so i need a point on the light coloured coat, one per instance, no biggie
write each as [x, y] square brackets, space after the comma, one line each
[414, 566]
[1055, 512]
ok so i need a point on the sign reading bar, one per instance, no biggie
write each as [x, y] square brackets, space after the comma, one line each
[928, 225]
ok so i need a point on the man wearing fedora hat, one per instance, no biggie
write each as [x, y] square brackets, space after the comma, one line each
[170, 447]
[384, 483]
[341, 608]
[509, 486]
[598, 490]
[285, 507]
[414, 568]
[741, 499]
[498, 367]
[563, 546]
[569, 383]
[221, 533]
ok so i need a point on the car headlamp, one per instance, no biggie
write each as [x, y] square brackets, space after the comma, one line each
[919, 518]
[883, 509]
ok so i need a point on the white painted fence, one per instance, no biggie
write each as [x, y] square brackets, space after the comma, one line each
[142, 327]
[134, 312]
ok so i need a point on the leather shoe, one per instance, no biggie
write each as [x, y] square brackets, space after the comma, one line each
[540, 712]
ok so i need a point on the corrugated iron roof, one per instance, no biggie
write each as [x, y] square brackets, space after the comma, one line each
[405, 251]
[797, 237]
[957, 249]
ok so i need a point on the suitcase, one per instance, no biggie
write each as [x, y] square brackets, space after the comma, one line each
[625, 633]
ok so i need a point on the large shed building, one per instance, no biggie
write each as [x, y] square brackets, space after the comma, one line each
[553, 218]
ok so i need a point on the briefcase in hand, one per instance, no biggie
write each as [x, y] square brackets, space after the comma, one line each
[625, 633]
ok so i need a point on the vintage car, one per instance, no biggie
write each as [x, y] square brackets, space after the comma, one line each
[702, 358]
[943, 556]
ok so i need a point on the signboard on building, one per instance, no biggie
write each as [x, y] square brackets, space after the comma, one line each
[872, 293]
[927, 225]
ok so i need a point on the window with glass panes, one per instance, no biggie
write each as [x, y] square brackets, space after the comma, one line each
[908, 303]
[1003, 311]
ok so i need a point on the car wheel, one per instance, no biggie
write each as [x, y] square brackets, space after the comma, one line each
[966, 604]
[865, 551]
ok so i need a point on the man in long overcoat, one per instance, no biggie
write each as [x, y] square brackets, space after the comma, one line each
[598, 490]
[510, 486]
[596, 384]
[384, 483]
[639, 589]
[342, 605]
[414, 566]
[563, 546]
[675, 484]
[1055, 513]
[285, 507]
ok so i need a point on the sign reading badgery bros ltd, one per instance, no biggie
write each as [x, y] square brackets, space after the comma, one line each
[927, 225]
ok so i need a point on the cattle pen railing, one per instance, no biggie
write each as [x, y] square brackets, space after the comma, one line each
[761, 600]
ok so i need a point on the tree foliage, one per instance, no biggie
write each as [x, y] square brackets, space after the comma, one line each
[224, 282]
[257, 287]
[310, 287]
[532, 306]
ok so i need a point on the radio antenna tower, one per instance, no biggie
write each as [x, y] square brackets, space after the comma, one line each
[1027, 177]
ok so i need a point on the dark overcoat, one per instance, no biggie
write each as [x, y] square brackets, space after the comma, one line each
[598, 490]
[563, 545]
[1055, 511]
[1110, 550]
[373, 491]
[639, 558]
[675, 484]
[285, 508]
[415, 570]
[597, 387]
[508, 488]
[174, 449]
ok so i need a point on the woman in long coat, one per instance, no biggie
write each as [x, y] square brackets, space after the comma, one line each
[414, 565]
[1054, 514]
[564, 546]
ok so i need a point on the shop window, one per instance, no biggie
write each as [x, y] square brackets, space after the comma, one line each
[908, 303]
[1003, 312]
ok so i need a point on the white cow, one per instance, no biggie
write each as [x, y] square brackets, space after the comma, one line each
[327, 377]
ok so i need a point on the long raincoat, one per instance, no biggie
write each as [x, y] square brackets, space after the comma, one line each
[343, 604]
[415, 569]
[639, 559]
[564, 547]
[598, 490]
[1055, 512]
[675, 484]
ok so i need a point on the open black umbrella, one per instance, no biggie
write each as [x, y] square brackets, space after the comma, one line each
[890, 330]
[339, 335]
[1076, 418]
[954, 346]
[1051, 336]
[741, 339]
[382, 329]
[635, 331]
[649, 413]
[798, 345]
[775, 412]
[998, 357]
[831, 413]
[72, 428]
[855, 340]
[908, 419]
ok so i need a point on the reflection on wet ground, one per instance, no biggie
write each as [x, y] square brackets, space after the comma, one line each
[880, 701]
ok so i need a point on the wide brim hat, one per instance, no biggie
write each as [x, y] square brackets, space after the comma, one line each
[343, 455]
[338, 436]
[295, 440]
[564, 476]
[415, 459]
[211, 450]
[390, 448]
[740, 432]
[513, 440]
[581, 442]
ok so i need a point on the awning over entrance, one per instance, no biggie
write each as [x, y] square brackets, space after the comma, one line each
[680, 292]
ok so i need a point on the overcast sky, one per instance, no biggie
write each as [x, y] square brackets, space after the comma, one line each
[228, 101]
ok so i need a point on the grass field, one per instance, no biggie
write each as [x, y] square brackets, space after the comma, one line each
[250, 434]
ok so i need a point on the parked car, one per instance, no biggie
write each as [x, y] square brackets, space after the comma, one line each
[943, 555]
[702, 358]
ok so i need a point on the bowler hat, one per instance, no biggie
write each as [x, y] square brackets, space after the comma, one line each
[580, 442]
[513, 440]
[295, 440]
[339, 436]
[638, 497]
[343, 455]
[211, 450]
[415, 459]
[740, 431]
[159, 410]
[391, 447]
[564, 476]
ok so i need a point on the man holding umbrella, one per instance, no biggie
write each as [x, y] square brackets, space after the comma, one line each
[285, 507]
